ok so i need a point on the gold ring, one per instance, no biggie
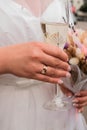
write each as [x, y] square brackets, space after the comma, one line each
[44, 70]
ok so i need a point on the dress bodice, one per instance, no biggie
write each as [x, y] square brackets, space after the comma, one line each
[21, 100]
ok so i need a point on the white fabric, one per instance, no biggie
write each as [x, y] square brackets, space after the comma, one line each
[55, 8]
[58, 8]
[21, 100]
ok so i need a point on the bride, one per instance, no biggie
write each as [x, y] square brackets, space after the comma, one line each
[21, 99]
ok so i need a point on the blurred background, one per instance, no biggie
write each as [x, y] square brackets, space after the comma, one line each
[79, 12]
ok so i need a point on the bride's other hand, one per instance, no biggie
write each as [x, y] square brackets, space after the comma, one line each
[80, 100]
[29, 59]
[66, 91]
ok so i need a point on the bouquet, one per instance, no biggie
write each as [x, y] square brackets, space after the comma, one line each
[76, 49]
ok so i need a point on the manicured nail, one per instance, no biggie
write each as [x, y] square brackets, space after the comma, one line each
[79, 111]
[75, 101]
[67, 59]
[60, 81]
[69, 96]
[75, 105]
[69, 68]
[68, 75]
[77, 94]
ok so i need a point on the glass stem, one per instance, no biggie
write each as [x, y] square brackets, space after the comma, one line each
[58, 92]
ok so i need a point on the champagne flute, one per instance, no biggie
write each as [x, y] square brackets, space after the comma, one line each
[55, 29]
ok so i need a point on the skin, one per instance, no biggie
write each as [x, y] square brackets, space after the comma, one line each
[66, 91]
[80, 100]
[27, 60]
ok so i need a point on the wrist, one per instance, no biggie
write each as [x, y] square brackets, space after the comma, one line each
[3, 60]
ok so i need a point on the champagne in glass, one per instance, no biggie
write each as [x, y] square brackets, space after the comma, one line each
[55, 33]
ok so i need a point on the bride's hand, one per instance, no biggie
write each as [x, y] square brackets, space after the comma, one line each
[80, 100]
[28, 59]
[66, 91]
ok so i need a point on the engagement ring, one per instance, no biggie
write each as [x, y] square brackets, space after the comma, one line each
[44, 70]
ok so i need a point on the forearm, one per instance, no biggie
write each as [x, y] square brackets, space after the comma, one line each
[3, 60]
[27, 60]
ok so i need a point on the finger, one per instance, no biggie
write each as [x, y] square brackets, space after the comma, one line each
[80, 100]
[55, 51]
[80, 110]
[81, 93]
[49, 79]
[80, 105]
[55, 62]
[55, 73]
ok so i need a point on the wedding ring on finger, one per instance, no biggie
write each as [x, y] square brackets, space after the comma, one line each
[44, 70]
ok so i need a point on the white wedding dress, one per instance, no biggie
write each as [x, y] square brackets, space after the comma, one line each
[21, 100]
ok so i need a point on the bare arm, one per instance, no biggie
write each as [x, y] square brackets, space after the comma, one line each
[27, 60]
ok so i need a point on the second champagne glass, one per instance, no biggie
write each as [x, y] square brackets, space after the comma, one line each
[54, 24]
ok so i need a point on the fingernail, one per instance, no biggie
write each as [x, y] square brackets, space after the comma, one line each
[75, 101]
[69, 96]
[69, 68]
[75, 105]
[68, 75]
[79, 111]
[77, 94]
[60, 81]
